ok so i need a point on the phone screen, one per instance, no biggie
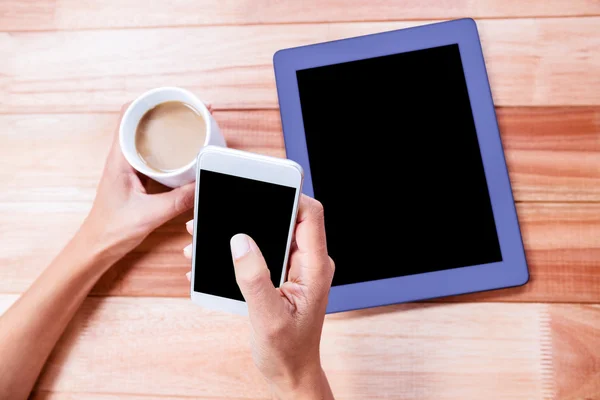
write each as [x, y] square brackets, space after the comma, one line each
[228, 205]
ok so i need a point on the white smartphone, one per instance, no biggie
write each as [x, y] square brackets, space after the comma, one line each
[240, 192]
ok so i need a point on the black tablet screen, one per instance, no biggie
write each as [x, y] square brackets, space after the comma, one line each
[395, 160]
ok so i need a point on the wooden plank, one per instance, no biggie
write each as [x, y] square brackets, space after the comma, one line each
[576, 339]
[550, 128]
[561, 242]
[552, 153]
[563, 253]
[571, 330]
[130, 348]
[172, 347]
[19, 15]
[54, 185]
[58, 158]
[529, 61]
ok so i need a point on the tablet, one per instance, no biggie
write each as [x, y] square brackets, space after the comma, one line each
[398, 138]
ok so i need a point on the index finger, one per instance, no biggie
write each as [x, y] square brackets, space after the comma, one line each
[310, 226]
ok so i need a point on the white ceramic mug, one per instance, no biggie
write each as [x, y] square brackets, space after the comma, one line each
[134, 114]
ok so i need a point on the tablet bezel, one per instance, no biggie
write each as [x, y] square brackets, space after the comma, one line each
[512, 270]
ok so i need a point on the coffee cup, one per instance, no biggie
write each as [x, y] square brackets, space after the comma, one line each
[150, 114]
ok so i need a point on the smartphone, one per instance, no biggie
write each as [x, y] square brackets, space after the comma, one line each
[240, 192]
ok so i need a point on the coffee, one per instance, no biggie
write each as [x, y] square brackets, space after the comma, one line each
[170, 135]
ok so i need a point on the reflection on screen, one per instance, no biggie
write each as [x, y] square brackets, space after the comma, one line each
[228, 205]
[395, 160]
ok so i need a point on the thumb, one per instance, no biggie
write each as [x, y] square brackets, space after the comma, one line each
[170, 204]
[252, 275]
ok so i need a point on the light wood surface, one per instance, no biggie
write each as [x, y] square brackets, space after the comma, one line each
[19, 15]
[429, 351]
[407, 351]
[529, 61]
[553, 153]
[561, 242]
[575, 331]
[68, 65]
[561, 239]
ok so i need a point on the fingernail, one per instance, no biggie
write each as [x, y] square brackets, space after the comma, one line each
[189, 225]
[187, 250]
[240, 245]
[188, 275]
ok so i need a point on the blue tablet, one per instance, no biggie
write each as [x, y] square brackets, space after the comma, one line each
[398, 138]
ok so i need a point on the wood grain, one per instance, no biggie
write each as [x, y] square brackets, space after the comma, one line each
[561, 242]
[47, 193]
[55, 160]
[171, 347]
[568, 344]
[575, 129]
[576, 330]
[553, 154]
[67, 65]
[563, 252]
[529, 61]
[19, 15]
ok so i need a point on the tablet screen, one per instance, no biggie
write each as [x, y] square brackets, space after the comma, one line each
[395, 160]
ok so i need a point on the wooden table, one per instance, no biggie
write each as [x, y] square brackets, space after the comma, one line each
[66, 66]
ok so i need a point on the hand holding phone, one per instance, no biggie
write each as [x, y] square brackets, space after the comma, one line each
[287, 321]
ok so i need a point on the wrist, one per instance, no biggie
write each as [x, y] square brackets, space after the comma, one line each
[310, 384]
[98, 250]
[82, 262]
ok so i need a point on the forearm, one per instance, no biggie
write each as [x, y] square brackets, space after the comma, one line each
[311, 386]
[32, 326]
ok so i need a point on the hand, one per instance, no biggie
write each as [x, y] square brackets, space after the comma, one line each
[123, 213]
[287, 321]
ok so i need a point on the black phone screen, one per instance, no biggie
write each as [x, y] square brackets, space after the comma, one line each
[228, 205]
[395, 160]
